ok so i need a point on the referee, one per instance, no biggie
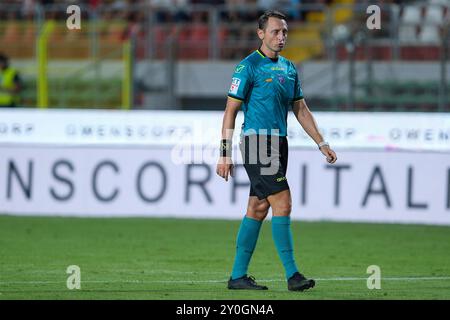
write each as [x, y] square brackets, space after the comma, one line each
[266, 85]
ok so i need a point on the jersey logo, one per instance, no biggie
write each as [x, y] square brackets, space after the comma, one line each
[269, 80]
[235, 82]
[239, 68]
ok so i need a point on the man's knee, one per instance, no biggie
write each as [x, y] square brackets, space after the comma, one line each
[281, 203]
[282, 209]
[258, 210]
[263, 208]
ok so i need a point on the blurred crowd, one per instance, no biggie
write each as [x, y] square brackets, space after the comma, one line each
[179, 6]
[178, 10]
[166, 11]
[262, 4]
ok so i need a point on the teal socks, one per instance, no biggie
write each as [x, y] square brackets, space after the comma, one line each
[246, 243]
[281, 232]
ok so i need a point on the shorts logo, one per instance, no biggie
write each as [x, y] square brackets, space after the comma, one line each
[235, 82]
[281, 179]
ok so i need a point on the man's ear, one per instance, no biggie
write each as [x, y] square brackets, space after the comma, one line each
[260, 34]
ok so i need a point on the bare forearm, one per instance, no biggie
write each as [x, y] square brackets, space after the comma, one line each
[225, 163]
[229, 119]
[309, 124]
[228, 125]
[307, 121]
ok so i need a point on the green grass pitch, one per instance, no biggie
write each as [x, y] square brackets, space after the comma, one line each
[148, 258]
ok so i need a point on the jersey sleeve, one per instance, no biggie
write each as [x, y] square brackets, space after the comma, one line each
[298, 92]
[241, 81]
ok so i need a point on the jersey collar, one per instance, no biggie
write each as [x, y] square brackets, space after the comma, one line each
[264, 56]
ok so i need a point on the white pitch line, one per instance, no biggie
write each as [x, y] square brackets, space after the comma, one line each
[386, 278]
[127, 271]
[225, 280]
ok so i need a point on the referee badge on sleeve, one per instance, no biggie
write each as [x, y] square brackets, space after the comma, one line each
[235, 82]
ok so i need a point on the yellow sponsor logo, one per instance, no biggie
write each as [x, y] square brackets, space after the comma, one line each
[239, 68]
[269, 80]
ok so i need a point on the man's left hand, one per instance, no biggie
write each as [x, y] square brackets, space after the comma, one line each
[330, 154]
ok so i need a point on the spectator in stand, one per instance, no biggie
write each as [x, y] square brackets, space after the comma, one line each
[164, 10]
[10, 84]
[210, 2]
[291, 7]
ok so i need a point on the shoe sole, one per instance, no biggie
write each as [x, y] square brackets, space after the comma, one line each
[231, 288]
[310, 284]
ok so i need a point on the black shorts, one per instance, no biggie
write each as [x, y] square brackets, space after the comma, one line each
[265, 160]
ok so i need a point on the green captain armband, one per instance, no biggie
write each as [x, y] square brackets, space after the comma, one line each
[225, 148]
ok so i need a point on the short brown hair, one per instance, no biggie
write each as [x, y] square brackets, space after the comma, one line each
[262, 21]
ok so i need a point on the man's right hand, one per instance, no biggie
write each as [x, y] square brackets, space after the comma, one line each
[225, 167]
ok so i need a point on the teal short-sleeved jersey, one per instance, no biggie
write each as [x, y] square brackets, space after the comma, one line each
[267, 88]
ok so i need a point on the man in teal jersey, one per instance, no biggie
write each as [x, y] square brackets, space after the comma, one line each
[266, 85]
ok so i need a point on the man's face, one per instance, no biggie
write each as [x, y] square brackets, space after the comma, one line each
[275, 35]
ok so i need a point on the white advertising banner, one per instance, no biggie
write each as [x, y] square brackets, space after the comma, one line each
[390, 168]
[353, 130]
[84, 181]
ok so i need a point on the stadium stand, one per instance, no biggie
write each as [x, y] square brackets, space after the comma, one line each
[326, 30]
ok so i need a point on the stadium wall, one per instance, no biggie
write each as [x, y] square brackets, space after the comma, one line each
[391, 167]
